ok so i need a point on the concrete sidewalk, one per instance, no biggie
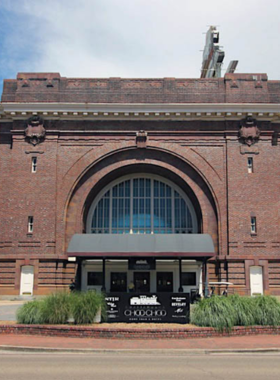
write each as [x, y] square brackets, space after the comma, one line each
[263, 343]
[8, 309]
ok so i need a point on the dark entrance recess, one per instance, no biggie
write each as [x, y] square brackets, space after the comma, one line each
[164, 281]
[142, 281]
[118, 282]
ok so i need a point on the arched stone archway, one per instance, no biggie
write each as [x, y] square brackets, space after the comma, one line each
[143, 161]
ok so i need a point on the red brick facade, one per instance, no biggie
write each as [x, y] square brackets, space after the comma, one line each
[193, 139]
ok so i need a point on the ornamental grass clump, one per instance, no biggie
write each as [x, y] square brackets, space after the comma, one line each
[56, 308]
[217, 312]
[244, 310]
[266, 311]
[223, 313]
[30, 313]
[86, 306]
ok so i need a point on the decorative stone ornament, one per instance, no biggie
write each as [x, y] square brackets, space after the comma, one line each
[35, 131]
[141, 139]
[249, 132]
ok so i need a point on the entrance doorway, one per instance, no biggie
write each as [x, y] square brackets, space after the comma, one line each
[142, 282]
[27, 280]
[164, 281]
[118, 282]
[256, 280]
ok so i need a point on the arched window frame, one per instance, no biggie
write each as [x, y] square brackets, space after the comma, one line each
[153, 177]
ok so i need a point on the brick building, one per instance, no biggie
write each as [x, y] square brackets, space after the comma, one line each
[163, 183]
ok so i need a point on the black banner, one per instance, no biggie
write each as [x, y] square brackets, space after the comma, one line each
[149, 307]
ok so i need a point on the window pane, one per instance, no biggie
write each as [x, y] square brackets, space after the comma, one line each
[162, 189]
[148, 213]
[114, 213]
[135, 187]
[121, 189]
[127, 189]
[148, 187]
[168, 191]
[127, 213]
[189, 278]
[95, 278]
[141, 187]
[170, 213]
[115, 191]
[156, 188]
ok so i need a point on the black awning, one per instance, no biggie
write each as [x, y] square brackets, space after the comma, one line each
[141, 245]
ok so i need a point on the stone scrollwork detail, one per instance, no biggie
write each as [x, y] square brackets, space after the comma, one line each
[34, 130]
[249, 132]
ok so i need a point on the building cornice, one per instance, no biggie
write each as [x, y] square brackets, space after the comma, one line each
[140, 111]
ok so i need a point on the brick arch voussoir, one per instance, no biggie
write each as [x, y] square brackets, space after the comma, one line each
[123, 160]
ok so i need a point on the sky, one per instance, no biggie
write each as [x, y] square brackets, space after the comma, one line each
[135, 38]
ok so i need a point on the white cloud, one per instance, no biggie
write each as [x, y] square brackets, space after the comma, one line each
[140, 38]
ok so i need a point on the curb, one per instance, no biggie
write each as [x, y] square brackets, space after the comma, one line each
[140, 351]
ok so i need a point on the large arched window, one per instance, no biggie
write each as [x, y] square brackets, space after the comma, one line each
[143, 204]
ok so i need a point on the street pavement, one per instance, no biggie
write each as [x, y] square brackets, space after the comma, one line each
[97, 366]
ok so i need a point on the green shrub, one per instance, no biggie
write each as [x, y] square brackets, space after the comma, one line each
[266, 311]
[217, 312]
[85, 306]
[56, 308]
[30, 313]
[244, 310]
[223, 313]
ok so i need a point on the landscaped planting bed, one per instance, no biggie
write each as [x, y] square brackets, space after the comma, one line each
[59, 308]
[223, 313]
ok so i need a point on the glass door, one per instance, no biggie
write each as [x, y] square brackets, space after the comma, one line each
[142, 282]
[118, 282]
[164, 282]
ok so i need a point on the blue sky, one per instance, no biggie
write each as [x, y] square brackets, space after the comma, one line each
[135, 38]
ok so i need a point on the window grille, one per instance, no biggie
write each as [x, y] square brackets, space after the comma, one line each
[142, 205]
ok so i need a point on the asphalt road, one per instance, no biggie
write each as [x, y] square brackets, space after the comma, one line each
[123, 366]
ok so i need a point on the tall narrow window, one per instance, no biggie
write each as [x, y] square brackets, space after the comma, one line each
[250, 164]
[33, 164]
[30, 225]
[253, 225]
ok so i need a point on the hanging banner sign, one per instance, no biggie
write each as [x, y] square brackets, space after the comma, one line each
[148, 307]
[141, 263]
